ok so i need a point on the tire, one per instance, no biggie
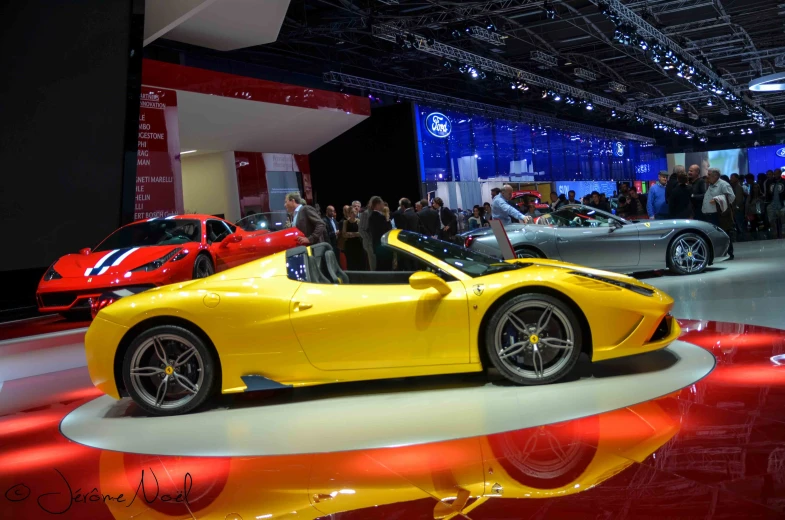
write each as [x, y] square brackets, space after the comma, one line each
[560, 326]
[688, 253]
[203, 266]
[526, 252]
[187, 385]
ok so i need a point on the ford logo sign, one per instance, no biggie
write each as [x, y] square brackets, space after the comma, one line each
[438, 125]
[781, 152]
[618, 149]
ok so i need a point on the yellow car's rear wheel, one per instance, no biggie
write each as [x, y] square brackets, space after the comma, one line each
[168, 370]
[533, 339]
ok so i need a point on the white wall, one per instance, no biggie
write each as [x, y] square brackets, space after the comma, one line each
[210, 184]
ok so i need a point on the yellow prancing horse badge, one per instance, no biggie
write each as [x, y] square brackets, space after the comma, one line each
[647, 224]
[478, 289]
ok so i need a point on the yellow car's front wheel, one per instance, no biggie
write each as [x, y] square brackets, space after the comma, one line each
[533, 339]
[168, 370]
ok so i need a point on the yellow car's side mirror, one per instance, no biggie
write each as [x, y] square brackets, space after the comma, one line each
[422, 280]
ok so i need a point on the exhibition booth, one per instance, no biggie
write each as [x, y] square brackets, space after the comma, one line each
[207, 145]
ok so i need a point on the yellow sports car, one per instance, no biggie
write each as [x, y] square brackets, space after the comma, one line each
[296, 319]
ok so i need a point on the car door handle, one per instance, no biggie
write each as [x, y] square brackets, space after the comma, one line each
[560, 239]
[302, 306]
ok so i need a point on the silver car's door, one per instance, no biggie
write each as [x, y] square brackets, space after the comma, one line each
[585, 236]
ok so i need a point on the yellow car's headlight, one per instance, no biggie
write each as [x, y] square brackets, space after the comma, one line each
[645, 291]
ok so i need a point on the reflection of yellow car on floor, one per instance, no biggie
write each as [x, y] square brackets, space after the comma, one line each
[296, 319]
[482, 475]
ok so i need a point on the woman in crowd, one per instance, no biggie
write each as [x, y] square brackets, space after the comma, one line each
[754, 209]
[378, 225]
[680, 202]
[476, 220]
[350, 241]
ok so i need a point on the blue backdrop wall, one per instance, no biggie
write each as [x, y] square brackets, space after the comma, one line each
[460, 147]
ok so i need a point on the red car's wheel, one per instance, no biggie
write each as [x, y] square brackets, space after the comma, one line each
[203, 266]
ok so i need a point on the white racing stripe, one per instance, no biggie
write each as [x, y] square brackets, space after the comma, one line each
[123, 257]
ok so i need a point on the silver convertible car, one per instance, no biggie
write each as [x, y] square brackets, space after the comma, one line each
[587, 236]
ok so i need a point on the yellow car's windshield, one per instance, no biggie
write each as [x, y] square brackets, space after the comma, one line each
[465, 260]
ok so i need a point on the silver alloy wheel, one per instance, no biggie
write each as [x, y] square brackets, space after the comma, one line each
[203, 267]
[689, 254]
[537, 349]
[167, 371]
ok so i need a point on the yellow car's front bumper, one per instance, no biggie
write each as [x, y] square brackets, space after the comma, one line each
[644, 338]
[101, 343]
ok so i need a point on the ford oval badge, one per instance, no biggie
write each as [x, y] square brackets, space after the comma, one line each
[438, 125]
[781, 152]
[618, 149]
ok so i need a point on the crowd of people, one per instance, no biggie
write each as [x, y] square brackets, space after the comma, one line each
[743, 207]
[358, 231]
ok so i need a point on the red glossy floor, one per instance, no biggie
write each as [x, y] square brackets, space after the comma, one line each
[715, 449]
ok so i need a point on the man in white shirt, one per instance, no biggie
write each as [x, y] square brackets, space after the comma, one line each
[502, 210]
[718, 199]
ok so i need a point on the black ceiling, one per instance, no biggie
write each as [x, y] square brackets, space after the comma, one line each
[738, 39]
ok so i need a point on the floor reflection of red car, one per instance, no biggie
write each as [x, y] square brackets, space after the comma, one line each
[522, 199]
[149, 253]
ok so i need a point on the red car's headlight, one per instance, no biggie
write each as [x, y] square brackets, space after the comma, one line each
[51, 274]
[173, 255]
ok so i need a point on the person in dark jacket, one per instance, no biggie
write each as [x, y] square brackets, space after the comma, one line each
[406, 218]
[680, 203]
[673, 180]
[698, 185]
[447, 219]
[429, 220]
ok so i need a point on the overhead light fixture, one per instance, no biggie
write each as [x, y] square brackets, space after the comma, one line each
[589, 106]
[187, 151]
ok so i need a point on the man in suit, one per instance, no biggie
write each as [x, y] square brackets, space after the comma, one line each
[448, 221]
[331, 225]
[406, 218]
[429, 220]
[306, 219]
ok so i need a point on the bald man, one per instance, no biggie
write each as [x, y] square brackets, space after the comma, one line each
[501, 209]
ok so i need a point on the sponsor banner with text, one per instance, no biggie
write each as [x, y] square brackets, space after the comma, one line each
[159, 191]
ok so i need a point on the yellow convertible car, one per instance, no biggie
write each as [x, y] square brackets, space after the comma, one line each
[295, 319]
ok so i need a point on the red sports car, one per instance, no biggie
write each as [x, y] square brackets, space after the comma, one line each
[522, 199]
[149, 253]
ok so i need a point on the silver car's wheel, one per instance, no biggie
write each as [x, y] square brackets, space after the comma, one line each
[688, 254]
[525, 252]
[203, 267]
[533, 339]
[168, 370]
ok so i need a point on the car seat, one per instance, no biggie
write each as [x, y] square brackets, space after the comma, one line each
[317, 263]
[334, 270]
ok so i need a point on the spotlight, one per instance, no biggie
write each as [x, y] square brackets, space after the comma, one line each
[545, 94]
[678, 108]
[589, 106]
[491, 27]
[569, 101]
[447, 64]
[550, 12]
[710, 103]
[613, 113]
[557, 97]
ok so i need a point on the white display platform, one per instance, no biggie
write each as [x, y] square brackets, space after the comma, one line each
[377, 414]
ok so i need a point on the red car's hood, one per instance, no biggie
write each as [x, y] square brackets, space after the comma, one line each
[116, 261]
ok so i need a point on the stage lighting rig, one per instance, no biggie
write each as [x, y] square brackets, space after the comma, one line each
[544, 59]
[617, 87]
[585, 74]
